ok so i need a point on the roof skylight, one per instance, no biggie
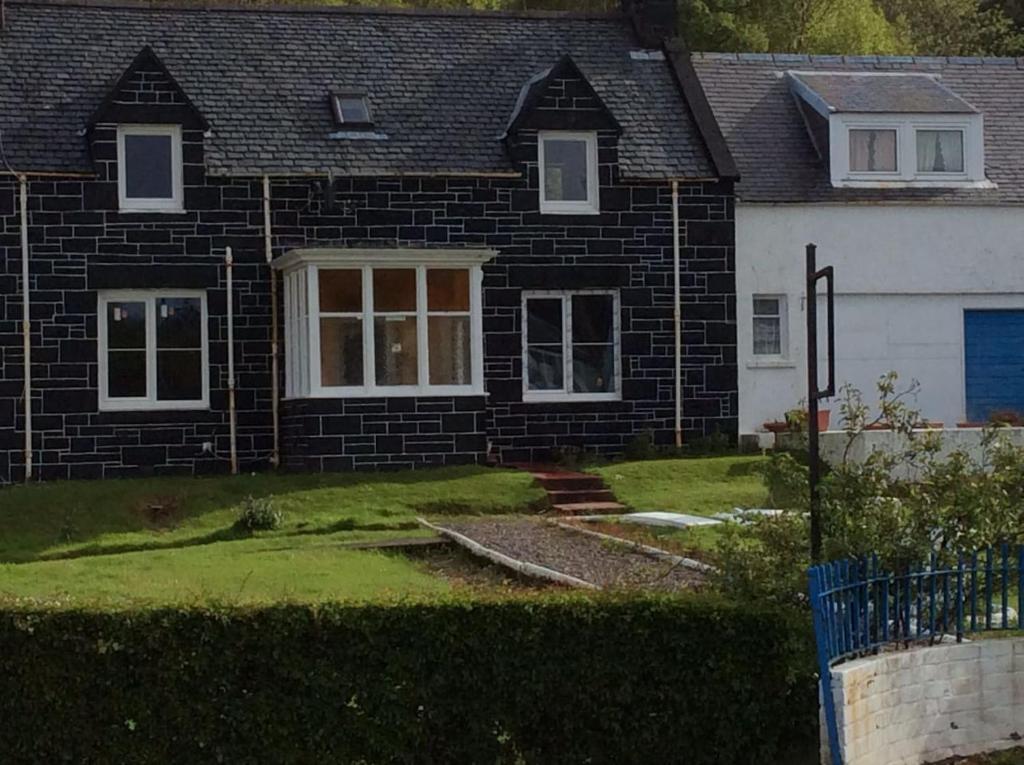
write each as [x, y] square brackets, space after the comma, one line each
[351, 110]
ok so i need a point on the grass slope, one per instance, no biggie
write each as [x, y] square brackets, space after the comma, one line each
[102, 541]
[699, 486]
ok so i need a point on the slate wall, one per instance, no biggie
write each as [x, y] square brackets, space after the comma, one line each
[81, 243]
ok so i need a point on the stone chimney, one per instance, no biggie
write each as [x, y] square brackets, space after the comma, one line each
[654, 21]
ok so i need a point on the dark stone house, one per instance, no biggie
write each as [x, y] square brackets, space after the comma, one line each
[464, 222]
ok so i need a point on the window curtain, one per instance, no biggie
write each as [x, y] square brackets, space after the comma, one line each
[940, 151]
[873, 151]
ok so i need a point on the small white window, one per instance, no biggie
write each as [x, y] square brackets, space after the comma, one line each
[769, 325]
[940, 151]
[568, 173]
[149, 169]
[873, 151]
[571, 346]
[153, 350]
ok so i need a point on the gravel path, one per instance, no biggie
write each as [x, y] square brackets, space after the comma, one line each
[606, 564]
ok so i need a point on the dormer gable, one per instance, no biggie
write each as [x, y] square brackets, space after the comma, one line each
[147, 93]
[560, 98]
[890, 129]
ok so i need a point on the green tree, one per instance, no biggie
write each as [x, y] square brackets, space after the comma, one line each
[955, 27]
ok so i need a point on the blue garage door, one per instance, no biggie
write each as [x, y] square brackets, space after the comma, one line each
[994, 356]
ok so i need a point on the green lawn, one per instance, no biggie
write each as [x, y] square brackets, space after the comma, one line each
[699, 486]
[171, 539]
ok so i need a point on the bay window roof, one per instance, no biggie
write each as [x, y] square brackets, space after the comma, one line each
[877, 93]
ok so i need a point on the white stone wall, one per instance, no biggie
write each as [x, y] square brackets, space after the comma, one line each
[927, 704]
[904, 276]
[969, 440]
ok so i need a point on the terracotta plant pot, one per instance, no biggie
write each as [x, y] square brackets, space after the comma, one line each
[777, 427]
[878, 426]
[824, 417]
[970, 424]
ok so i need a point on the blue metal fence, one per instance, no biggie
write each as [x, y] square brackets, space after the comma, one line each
[860, 609]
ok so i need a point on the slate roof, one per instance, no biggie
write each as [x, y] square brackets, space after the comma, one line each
[882, 93]
[441, 85]
[751, 99]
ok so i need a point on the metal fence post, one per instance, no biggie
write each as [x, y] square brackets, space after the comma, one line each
[824, 665]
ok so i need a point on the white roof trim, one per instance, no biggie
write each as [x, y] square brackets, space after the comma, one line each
[333, 256]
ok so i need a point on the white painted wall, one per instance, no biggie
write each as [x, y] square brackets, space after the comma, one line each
[929, 704]
[904, 276]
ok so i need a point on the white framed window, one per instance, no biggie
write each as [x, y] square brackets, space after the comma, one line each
[567, 165]
[408, 325]
[874, 150]
[906, 151]
[940, 151]
[149, 168]
[153, 350]
[571, 349]
[769, 326]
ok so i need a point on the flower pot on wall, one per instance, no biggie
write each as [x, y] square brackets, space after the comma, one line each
[824, 417]
[778, 426]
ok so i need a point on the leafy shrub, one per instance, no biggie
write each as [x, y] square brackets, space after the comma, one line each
[554, 679]
[259, 514]
[641, 447]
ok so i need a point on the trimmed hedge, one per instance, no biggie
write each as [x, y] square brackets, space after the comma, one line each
[568, 679]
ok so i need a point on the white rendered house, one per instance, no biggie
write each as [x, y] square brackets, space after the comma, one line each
[908, 174]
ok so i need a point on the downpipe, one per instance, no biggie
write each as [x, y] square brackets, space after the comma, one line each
[275, 456]
[677, 314]
[26, 324]
[229, 267]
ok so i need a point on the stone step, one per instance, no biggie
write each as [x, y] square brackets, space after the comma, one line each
[575, 495]
[590, 508]
[552, 482]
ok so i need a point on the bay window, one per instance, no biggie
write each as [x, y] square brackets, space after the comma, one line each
[571, 345]
[407, 325]
[153, 350]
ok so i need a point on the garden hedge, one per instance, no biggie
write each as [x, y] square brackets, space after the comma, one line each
[568, 679]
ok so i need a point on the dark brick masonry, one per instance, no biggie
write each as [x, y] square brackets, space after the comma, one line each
[81, 243]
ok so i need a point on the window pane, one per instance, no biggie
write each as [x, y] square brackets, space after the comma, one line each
[341, 291]
[544, 320]
[767, 336]
[395, 350]
[394, 289]
[179, 375]
[873, 151]
[341, 351]
[940, 151]
[565, 170]
[592, 318]
[179, 323]
[353, 109]
[126, 374]
[766, 306]
[593, 368]
[126, 325]
[449, 338]
[447, 289]
[545, 367]
[147, 167]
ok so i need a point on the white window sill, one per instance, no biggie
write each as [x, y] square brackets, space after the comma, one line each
[545, 210]
[568, 398]
[930, 183]
[143, 210]
[159, 406]
[393, 392]
[771, 364]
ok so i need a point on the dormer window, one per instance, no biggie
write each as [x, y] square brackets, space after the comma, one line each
[149, 168]
[567, 165]
[351, 110]
[891, 130]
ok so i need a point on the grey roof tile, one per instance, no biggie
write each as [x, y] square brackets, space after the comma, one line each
[889, 92]
[441, 85]
[777, 163]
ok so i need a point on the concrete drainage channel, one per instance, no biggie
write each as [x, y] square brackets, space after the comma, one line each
[566, 555]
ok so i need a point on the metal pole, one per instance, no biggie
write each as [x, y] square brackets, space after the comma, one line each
[813, 448]
[26, 324]
[229, 263]
[677, 314]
